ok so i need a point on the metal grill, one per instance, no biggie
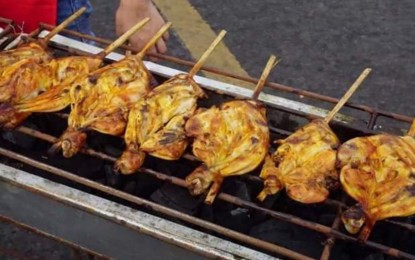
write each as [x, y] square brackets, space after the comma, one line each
[345, 124]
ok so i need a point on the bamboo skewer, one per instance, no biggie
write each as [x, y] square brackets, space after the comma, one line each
[153, 40]
[272, 62]
[411, 131]
[347, 95]
[64, 24]
[206, 54]
[118, 42]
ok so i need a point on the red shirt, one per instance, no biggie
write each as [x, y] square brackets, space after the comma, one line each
[27, 14]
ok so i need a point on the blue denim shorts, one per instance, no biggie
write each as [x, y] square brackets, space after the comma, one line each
[82, 24]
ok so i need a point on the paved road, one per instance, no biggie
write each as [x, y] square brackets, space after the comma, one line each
[324, 44]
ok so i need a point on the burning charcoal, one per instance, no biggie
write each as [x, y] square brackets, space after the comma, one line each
[291, 236]
[20, 139]
[177, 198]
[112, 178]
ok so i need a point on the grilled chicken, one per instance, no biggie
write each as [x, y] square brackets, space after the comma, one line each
[232, 139]
[32, 50]
[103, 102]
[304, 164]
[26, 80]
[379, 173]
[156, 123]
[67, 72]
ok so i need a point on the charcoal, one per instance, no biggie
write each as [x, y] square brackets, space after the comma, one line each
[113, 179]
[19, 139]
[177, 198]
[238, 219]
[238, 189]
[130, 187]
[343, 250]
[291, 236]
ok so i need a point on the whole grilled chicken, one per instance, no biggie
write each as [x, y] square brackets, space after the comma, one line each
[103, 105]
[103, 102]
[379, 173]
[32, 50]
[156, 123]
[305, 162]
[232, 139]
[73, 71]
[25, 80]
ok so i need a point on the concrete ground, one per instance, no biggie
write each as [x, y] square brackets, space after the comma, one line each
[324, 45]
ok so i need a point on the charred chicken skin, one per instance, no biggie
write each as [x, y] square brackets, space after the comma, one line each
[103, 101]
[232, 139]
[156, 123]
[303, 164]
[26, 80]
[32, 51]
[379, 173]
[77, 69]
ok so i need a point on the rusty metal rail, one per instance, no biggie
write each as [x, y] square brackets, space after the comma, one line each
[75, 248]
[373, 112]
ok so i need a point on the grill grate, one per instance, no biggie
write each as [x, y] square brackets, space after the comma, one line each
[331, 232]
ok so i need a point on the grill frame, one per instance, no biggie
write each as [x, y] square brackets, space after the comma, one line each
[277, 103]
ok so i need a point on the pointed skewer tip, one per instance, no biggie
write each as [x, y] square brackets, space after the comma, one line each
[154, 39]
[347, 95]
[272, 62]
[206, 54]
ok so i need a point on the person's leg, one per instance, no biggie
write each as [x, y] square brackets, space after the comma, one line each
[82, 23]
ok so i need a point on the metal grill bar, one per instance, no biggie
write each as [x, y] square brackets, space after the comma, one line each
[148, 204]
[222, 196]
[74, 247]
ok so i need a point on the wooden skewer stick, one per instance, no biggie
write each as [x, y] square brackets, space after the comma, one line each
[206, 54]
[347, 95]
[64, 24]
[118, 42]
[153, 40]
[272, 62]
[411, 131]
